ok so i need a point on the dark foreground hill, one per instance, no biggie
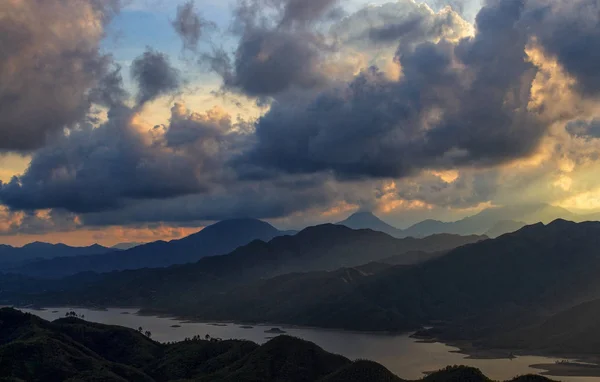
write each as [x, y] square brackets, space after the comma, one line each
[217, 239]
[70, 349]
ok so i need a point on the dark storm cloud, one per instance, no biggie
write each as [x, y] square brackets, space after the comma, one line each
[276, 52]
[109, 92]
[570, 30]
[154, 75]
[456, 105]
[305, 11]
[47, 65]
[270, 62]
[190, 25]
[106, 167]
[256, 200]
[100, 168]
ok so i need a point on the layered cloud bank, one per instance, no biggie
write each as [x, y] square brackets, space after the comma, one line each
[391, 107]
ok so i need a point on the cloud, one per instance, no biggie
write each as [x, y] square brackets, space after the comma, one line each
[278, 48]
[454, 115]
[36, 222]
[569, 30]
[190, 25]
[457, 104]
[399, 23]
[467, 190]
[305, 11]
[262, 200]
[586, 129]
[154, 76]
[99, 168]
[49, 59]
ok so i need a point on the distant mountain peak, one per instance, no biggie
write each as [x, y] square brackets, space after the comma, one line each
[367, 220]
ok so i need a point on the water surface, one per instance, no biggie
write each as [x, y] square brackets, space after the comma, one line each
[401, 354]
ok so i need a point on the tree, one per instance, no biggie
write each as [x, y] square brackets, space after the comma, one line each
[140, 329]
[148, 334]
[207, 337]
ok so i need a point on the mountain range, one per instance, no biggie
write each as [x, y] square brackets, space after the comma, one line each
[128, 245]
[71, 349]
[225, 236]
[533, 282]
[366, 220]
[321, 248]
[217, 239]
[9, 256]
[492, 222]
[535, 289]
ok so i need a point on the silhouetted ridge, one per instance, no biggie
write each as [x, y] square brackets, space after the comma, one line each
[457, 374]
[11, 257]
[362, 371]
[217, 239]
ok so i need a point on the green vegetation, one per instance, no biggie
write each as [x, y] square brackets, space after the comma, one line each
[71, 349]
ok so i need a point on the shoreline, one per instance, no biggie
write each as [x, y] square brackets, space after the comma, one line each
[568, 369]
[578, 365]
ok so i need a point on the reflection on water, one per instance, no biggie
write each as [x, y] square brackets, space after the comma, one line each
[399, 353]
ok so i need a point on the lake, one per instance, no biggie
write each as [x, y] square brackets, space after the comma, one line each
[401, 354]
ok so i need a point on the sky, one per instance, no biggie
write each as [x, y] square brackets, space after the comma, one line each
[140, 120]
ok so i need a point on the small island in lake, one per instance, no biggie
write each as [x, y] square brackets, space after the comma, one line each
[246, 327]
[176, 326]
[275, 331]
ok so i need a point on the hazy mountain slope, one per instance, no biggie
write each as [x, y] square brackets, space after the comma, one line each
[366, 220]
[217, 239]
[575, 330]
[37, 250]
[488, 219]
[71, 349]
[124, 246]
[503, 227]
